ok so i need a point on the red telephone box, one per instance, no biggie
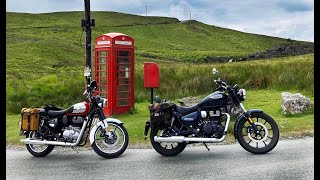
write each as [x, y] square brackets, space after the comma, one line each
[114, 71]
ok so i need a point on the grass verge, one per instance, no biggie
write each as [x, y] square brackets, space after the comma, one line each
[298, 125]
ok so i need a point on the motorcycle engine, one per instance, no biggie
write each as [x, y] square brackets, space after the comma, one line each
[211, 123]
[71, 133]
[72, 127]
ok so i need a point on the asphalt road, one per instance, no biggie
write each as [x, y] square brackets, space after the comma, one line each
[290, 159]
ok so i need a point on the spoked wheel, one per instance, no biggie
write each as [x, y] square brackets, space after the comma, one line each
[266, 138]
[113, 146]
[38, 150]
[166, 148]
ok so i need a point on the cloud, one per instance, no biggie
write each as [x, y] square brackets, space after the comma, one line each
[294, 5]
[281, 18]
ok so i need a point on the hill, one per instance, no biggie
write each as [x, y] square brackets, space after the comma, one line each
[47, 35]
[45, 54]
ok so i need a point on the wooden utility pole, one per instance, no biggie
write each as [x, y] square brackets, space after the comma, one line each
[87, 23]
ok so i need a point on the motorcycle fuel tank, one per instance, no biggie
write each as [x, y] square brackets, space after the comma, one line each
[191, 118]
[214, 100]
[82, 108]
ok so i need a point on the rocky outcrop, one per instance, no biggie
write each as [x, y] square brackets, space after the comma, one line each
[291, 48]
[288, 49]
[294, 103]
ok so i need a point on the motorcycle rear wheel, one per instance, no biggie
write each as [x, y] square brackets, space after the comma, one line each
[164, 148]
[258, 143]
[38, 150]
[111, 148]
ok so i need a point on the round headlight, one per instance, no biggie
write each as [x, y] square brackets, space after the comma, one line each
[242, 93]
[104, 101]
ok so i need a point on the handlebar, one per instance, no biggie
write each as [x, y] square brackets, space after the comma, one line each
[222, 84]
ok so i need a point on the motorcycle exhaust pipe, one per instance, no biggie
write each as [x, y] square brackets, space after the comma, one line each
[44, 142]
[180, 139]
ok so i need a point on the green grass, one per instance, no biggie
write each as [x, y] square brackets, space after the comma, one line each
[267, 100]
[177, 80]
[45, 59]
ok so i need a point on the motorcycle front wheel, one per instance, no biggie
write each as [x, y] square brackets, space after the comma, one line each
[38, 150]
[267, 137]
[110, 147]
[166, 148]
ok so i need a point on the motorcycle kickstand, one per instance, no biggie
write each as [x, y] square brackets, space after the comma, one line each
[206, 146]
[74, 149]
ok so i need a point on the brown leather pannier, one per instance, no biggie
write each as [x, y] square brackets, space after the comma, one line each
[30, 119]
[160, 115]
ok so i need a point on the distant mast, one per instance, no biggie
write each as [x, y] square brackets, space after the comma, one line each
[86, 24]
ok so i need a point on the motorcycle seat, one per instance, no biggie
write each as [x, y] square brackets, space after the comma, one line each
[42, 112]
[53, 113]
[186, 110]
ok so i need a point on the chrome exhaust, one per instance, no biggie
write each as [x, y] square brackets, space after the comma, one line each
[180, 139]
[55, 143]
[45, 142]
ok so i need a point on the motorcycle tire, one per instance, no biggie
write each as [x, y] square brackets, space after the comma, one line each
[98, 146]
[268, 138]
[46, 149]
[163, 150]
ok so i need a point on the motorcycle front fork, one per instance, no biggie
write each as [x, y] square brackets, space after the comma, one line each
[249, 119]
[105, 130]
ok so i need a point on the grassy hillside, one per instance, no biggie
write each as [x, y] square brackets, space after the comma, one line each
[55, 38]
[45, 57]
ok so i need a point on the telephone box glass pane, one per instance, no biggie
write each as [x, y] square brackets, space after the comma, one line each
[123, 81]
[123, 88]
[103, 89]
[102, 67]
[102, 74]
[102, 60]
[123, 94]
[123, 77]
[124, 53]
[102, 54]
[102, 81]
[123, 60]
[123, 102]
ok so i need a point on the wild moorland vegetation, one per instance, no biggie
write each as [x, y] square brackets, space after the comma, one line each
[45, 59]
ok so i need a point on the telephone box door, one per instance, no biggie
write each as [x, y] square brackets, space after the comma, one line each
[124, 80]
[101, 73]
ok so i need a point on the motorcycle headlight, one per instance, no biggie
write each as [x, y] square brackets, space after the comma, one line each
[242, 94]
[103, 102]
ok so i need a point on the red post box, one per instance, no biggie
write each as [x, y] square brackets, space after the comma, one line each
[151, 77]
[114, 71]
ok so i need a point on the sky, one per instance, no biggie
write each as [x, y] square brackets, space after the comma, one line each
[292, 19]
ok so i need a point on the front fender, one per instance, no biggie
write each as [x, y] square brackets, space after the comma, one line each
[243, 116]
[105, 121]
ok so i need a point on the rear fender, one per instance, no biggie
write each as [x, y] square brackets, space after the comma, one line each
[243, 116]
[100, 123]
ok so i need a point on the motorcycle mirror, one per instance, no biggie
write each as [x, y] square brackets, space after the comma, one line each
[87, 71]
[158, 100]
[214, 71]
[93, 84]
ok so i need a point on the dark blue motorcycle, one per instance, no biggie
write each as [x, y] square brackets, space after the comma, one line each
[173, 127]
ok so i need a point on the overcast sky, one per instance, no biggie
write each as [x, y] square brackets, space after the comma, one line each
[281, 18]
